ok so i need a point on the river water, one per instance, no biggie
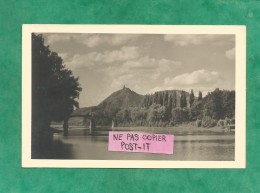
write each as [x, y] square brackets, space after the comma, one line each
[188, 146]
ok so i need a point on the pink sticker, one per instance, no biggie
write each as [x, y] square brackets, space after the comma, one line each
[140, 142]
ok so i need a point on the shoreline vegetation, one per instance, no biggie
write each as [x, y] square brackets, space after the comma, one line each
[125, 108]
[182, 128]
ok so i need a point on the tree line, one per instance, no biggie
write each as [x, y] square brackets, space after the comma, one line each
[165, 108]
[169, 99]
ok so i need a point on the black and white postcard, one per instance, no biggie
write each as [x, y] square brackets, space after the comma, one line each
[186, 84]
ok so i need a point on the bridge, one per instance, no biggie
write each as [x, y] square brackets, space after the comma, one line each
[92, 124]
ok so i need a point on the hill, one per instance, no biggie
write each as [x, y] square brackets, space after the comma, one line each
[108, 108]
[121, 99]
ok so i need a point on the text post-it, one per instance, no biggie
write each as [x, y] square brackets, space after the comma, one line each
[141, 142]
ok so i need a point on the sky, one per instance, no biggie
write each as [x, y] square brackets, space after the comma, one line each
[146, 63]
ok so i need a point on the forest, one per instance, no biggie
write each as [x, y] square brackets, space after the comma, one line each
[170, 108]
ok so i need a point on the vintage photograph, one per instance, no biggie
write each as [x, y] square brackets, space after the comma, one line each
[84, 84]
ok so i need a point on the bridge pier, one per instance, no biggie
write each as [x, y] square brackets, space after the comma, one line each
[113, 124]
[92, 126]
[65, 127]
[84, 121]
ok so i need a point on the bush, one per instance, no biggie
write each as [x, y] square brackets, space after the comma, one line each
[227, 121]
[163, 124]
[221, 123]
[193, 123]
[198, 123]
[171, 123]
[208, 122]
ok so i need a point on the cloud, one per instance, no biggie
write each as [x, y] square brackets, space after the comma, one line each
[194, 78]
[124, 67]
[203, 80]
[230, 54]
[127, 59]
[184, 40]
[92, 40]
[120, 39]
[125, 53]
[79, 61]
[113, 39]
[121, 80]
[147, 62]
[96, 58]
[198, 39]
[139, 73]
[144, 65]
[53, 38]
[64, 56]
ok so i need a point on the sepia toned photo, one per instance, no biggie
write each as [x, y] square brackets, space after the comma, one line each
[81, 82]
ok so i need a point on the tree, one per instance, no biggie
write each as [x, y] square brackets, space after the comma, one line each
[156, 113]
[155, 98]
[183, 100]
[165, 99]
[160, 100]
[196, 111]
[145, 101]
[213, 105]
[54, 91]
[152, 114]
[192, 98]
[174, 100]
[123, 116]
[151, 98]
[200, 96]
[169, 107]
[228, 104]
[180, 115]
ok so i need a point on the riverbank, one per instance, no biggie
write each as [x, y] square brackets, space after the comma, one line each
[183, 128]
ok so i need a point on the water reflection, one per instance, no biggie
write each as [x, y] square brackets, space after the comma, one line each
[187, 146]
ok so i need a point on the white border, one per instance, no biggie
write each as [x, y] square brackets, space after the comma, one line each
[240, 134]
